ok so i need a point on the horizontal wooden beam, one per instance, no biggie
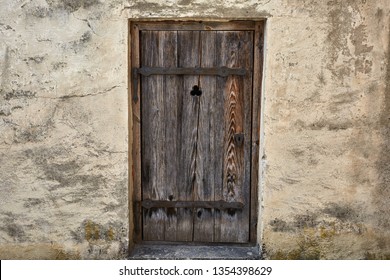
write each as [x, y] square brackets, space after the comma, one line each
[222, 205]
[196, 25]
[210, 71]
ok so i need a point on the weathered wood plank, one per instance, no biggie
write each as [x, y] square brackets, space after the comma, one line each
[204, 218]
[196, 26]
[236, 50]
[256, 109]
[208, 71]
[136, 140]
[148, 204]
[153, 167]
[188, 56]
[219, 135]
[247, 61]
[170, 136]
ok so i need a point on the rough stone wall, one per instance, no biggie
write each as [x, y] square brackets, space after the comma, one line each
[64, 125]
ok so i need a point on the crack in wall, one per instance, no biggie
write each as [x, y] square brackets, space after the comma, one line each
[79, 95]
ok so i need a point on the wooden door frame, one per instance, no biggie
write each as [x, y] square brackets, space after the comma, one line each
[135, 216]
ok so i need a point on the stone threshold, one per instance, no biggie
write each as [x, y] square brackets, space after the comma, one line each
[194, 252]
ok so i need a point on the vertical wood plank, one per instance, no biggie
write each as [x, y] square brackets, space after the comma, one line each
[247, 62]
[209, 136]
[171, 135]
[256, 109]
[220, 139]
[188, 56]
[136, 140]
[236, 51]
[153, 166]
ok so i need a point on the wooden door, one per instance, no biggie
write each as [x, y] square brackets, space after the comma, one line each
[195, 146]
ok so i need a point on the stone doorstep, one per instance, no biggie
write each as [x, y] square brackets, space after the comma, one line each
[189, 252]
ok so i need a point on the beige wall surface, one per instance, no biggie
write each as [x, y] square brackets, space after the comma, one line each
[65, 161]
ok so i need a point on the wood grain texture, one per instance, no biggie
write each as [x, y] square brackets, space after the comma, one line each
[148, 204]
[187, 142]
[236, 51]
[136, 141]
[188, 56]
[256, 106]
[206, 174]
[153, 165]
[196, 25]
[205, 71]
[170, 136]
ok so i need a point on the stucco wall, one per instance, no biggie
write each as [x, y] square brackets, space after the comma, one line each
[326, 191]
[64, 152]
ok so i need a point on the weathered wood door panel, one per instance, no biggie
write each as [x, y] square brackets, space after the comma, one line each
[189, 147]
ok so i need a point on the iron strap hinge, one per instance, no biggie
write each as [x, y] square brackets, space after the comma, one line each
[205, 71]
[221, 205]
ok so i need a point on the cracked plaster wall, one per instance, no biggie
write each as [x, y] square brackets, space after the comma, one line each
[64, 125]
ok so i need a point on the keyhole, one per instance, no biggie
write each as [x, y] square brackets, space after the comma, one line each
[239, 139]
[196, 91]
